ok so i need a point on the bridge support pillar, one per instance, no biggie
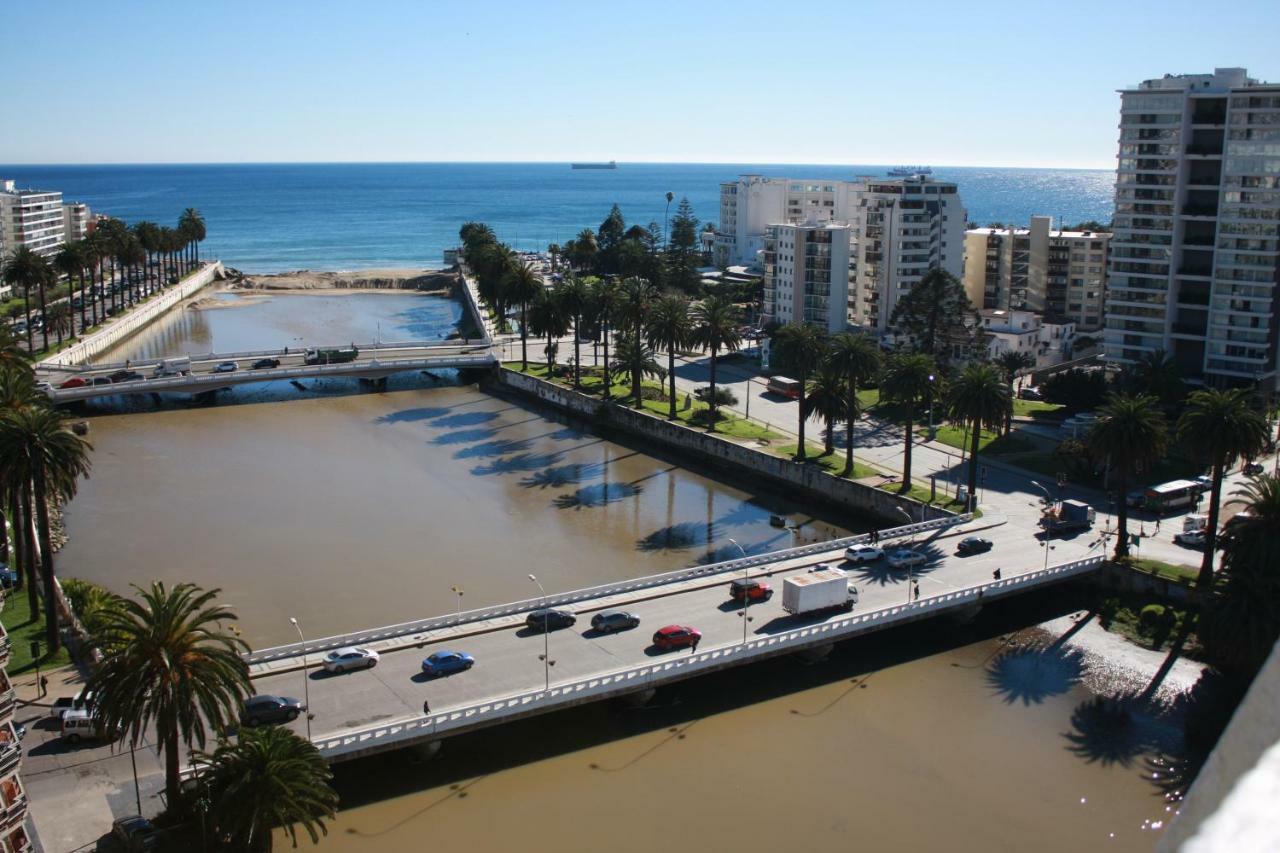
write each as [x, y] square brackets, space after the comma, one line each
[426, 751]
[814, 654]
[640, 698]
[965, 615]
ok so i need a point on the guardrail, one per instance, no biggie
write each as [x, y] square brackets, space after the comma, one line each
[337, 747]
[135, 364]
[359, 638]
[195, 381]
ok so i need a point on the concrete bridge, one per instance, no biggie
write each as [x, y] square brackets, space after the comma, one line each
[375, 361]
[360, 713]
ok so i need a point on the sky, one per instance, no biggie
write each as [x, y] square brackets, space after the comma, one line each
[946, 83]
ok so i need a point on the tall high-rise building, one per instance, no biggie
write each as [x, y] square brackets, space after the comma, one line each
[13, 798]
[30, 218]
[1195, 258]
[76, 218]
[807, 270]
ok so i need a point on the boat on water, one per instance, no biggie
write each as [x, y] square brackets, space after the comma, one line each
[909, 171]
[612, 164]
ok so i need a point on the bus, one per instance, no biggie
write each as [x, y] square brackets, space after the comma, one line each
[1178, 494]
[784, 386]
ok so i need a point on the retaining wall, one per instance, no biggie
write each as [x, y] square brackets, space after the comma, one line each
[781, 473]
[116, 330]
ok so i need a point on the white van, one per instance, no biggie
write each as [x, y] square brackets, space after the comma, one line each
[83, 725]
[180, 366]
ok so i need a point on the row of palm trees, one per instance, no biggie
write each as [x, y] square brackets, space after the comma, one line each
[116, 257]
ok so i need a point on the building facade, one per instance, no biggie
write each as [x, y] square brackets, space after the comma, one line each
[76, 221]
[14, 837]
[30, 218]
[1195, 258]
[1046, 343]
[807, 273]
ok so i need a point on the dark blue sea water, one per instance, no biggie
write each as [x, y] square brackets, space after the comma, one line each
[274, 217]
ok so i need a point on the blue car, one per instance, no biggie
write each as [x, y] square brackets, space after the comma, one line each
[447, 663]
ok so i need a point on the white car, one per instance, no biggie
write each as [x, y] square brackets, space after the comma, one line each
[1190, 538]
[345, 660]
[863, 553]
[905, 559]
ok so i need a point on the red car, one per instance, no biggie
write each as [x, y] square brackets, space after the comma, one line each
[676, 637]
[749, 590]
[73, 382]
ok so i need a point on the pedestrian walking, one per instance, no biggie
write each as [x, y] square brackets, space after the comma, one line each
[693, 647]
[44, 686]
[426, 706]
[915, 591]
[996, 574]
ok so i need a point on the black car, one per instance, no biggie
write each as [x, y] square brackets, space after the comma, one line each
[609, 621]
[1030, 393]
[270, 709]
[266, 363]
[549, 620]
[135, 832]
[973, 545]
[126, 376]
[8, 577]
[101, 380]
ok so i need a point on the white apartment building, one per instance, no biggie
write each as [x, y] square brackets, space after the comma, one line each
[899, 229]
[29, 218]
[1027, 332]
[76, 217]
[807, 273]
[1061, 274]
[1196, 251]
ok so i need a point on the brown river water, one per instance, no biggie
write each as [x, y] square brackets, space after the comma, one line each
[348, 509]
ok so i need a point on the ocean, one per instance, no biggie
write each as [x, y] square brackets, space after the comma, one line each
[342, 216]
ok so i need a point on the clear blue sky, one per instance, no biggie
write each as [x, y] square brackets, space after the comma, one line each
[946, 83]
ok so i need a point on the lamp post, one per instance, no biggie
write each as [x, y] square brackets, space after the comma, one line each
[306, 686]
[912, 541]
[457, 590]
[746, 596]
[546, 634]
[933, 432]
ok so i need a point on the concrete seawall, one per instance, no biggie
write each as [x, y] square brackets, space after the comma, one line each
[779, 473]
[118, 329]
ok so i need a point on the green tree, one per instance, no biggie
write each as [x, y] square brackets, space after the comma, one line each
[48, 460]
[937, 319]
[169, 662]
[858, 356]
[1011, 363]
[525, 287]
[70, 262]
[575, 298]
[1132, 436]
[908, 380]
[604, 308]
[584, 250]
[609, 239]
[148, 236]
[670, 328]
[18, 393]
[1220, 426]
[683, 250]
[826, 395]
[980, 399]
[548, 317]
[802, 346]
[191, 225]
[26, 270]
[636, 297]
[715, 328]
[634, 356]
[269, 778]
[1156, 374]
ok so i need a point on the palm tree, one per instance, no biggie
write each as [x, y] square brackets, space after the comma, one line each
[1011, 363]
[525, 286]
[979, 398]
[859, 357]
[604, 306]
[18, 392]
[269, 778]
[24, 270]
[908, 379]
[1221, 426]
[191, 224]
[802, 347]
[70, 262]
[148, 235]
[547, 317]
[827, 396]
[170, 662]
[97, 251]
[46, 458]
[636, 297]
[60, 319]
[715, 328]
[575, 298]
[632, 355]
[1156, 374]
[671, 329]
[1131, 434]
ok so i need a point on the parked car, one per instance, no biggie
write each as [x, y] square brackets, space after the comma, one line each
[1253, 468]
[8, 577]
[1190, 538]
[82, 701]
[1030, 393]
[135, 832]
[1136, 498]
[20, 327]
[263, 709]
[226, 367]
[611, 621]
[100, 380]
[78, 725]
[973, 545]
[126, 376]
[447, 663]
[741, 590]
[1204, 481]
[74, 382]
[44, 388]
[905, 558]
[549, 619]
[266, 363]
[676, 637]
[863, 553]
[345, 660]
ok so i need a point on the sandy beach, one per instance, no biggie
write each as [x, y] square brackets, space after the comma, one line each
[428, 281]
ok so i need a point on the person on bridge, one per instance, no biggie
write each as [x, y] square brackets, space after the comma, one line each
[915, 590]
[996, 574]
[426, 706]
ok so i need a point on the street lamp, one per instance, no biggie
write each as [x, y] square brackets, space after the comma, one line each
[912, 542]
[1047, 548]
[457, 590]
[933, 433]
[746, 595]
[546, 633]
[306, 687]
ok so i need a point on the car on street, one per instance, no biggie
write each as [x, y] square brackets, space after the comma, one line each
[8, 577]
[345, 660]
[226, 367]
[101, 380]
[265, 708]
[1253, 468]
[82, 701]
[905, 558]
[126, 376]
[1030, 393]
[44, 388]
[266, 363]
[447, 663]
[74, 382]
[549, 619]
[1204, 481]
[1136, 498]
[611, 621]
[1190, 538]
[676, 637]
[973, 545]
[863, 553]
[135, 832]
[20, 327]
[748, 589]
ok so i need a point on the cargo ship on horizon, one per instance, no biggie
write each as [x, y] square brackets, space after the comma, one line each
[612, 164]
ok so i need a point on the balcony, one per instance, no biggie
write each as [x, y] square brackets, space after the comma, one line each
[1202, 210]
[8, 701]
[1205, 150]
[13, 803]
[17, 842]
[1195, 270]
[10, 749]
[5, 645]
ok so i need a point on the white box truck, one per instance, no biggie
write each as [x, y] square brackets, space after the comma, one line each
[814, 592]
[180, 366]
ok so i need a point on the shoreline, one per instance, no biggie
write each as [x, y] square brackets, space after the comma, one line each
[371, 279]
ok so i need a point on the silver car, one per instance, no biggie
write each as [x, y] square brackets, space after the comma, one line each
[345, 660]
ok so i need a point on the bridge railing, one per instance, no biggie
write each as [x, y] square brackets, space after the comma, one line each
[371, 348]
[635, 678]
[388, 632]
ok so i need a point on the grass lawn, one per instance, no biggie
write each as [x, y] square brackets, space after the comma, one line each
[1169, 571]
[1034, 408]
[22, 630]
